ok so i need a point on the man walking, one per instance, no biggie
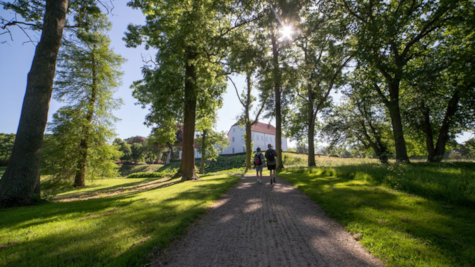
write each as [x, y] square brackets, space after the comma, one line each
[258, 163]
[271, 154]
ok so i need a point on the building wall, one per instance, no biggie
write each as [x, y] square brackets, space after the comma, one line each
[238, 145]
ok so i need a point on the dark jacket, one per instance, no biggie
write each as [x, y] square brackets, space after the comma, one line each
[268, 153]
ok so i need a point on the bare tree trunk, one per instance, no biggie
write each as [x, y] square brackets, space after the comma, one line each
[248, 124]
[278, 111]
[248, 145]
[427, 129]
[168, 156]
[80, 179]
[311, 128]
[20, 184]
[188, 154]
[396, 122]
[203, 151]
[444, 129]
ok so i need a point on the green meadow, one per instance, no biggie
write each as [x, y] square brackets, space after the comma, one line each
[115, 222]
[408, 215]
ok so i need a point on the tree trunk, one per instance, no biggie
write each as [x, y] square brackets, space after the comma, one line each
[188, 154]
[427, 129]
[396, 122]
[311, 128]
[169, 155]
[20, 184]
[248, 124]
[278, 111]
[444, 129]
[248, 145]
[80, 179]
[203, 151]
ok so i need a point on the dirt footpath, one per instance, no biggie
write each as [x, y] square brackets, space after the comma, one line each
[266, 225]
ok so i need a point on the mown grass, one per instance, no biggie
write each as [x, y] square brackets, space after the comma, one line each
[125, 169]
[433, 225]
[123, 230]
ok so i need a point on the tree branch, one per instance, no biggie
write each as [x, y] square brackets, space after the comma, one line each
[237, 93]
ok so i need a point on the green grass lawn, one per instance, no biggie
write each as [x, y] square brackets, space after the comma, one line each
[401, 228]
[125, 169]
[127, 229]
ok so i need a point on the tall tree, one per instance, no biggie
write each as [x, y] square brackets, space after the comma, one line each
[88, 73]
[20, 184]
[389, 34]
[246, 99]
[190, 39]
[361, 119]
[440, 98]
[324, 53]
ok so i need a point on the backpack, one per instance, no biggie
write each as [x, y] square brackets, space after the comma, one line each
[257, 159]
[270, 156]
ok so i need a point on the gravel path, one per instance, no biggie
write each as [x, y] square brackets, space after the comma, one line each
[266, 225]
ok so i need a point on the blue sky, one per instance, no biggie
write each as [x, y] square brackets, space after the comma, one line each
[15, 62]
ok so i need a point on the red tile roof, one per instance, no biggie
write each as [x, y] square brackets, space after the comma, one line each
[263, 128]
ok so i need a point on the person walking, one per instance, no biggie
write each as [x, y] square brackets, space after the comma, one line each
[271, 154]
[258, 164]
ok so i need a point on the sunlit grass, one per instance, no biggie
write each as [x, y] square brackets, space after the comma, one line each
[403, 229]
[122, 230]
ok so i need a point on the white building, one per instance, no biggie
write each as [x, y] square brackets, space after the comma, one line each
[262, 135]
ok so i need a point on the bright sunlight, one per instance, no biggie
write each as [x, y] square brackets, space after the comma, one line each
[286, 32]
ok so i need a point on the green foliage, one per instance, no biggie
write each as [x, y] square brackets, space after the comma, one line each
[400, 228]
[88, 71]
[184, 35]
[137, 151]
[214, 144]
[124, 148]
[468, 149]
[117, 230]
[6, 146]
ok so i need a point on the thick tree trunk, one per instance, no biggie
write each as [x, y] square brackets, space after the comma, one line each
[452, 108]
[278, 111]
[203, 151]
[188, 154]
[396, 122]
[248, 145]
[311, 128]
[169, 155]
[20, 185]
[248, 124]
[80, 178]
[427, 129]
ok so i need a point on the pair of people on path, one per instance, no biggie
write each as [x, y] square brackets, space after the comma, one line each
[270, 155]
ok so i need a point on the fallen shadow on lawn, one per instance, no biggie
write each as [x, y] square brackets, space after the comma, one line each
[117, 190]
[447, 229]
[125, 231]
